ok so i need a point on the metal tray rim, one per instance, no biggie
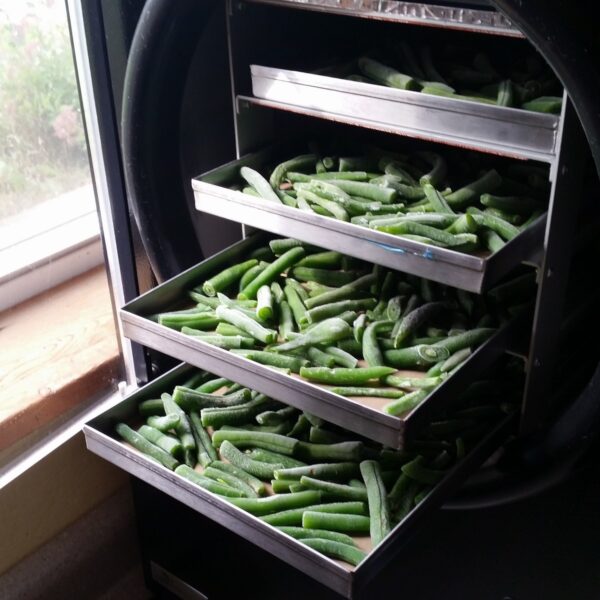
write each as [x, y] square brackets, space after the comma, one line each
[371, 90]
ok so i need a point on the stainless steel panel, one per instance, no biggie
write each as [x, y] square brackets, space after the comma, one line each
[414, 13]
[342, 579]
[345, 412]
[469, 272]
[501, 130]
[172, 583]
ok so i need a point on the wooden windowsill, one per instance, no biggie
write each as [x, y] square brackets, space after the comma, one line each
[58, 349]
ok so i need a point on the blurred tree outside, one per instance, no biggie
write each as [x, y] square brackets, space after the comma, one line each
[42, 144]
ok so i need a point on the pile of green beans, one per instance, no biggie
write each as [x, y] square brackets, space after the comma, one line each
[464, 75]
[419, 197]
[316, 483]
[335, 321]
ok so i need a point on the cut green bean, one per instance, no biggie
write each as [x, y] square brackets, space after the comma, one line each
[256, 484]
[335, 549]
[268, 441]
[195, 400]
[277, 503]
[163, 423]
[324, 332]
[245, 323]
[345, 292]
[342, 452]
[298, 163]
[146, 447]
[406, 403]
[184, 428]
[207, 483]
[387, 76]
[327, 311]
[300, 533]
[341, 471]
[336, 522]
[372, 392]
[341, 376]
[278, 266]
[166, 442]
[264, 471]
[416, 356]
[324, 276]
[334, 490]
[379, 511]
[293, 517]
[264, 307]
[260, 184]
[227, 277]
[294, 363]
[268, 456]
[230, 480]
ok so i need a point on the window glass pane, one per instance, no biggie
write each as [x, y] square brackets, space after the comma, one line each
[56, 323]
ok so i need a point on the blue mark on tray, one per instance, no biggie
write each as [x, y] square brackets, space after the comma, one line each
[427, 253]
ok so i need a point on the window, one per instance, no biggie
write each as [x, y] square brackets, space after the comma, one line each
[56, 325]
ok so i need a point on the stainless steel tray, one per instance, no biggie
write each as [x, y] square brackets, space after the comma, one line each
[507, 131]
[345, 580]
[469, 272]
[413, 13]
[358, 415]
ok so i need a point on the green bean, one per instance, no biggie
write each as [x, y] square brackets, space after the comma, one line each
[511, 218]
[322, 260]
[301, 426]
[264, 307]
[416, 319]
[277, 503]
[367, 392]
[260, 184]
[544, 104]
[298, 163]
[163, 423]
[252, 274]
[256, 484]
[370, 348]
[413, 382]
[341, 471]
[259, 469]
[379, 511]
[342, 451]
[341, 357]
[416, 356]
[273, 417]
[300, 533]
[471, 338]
[437, 235]
[335, 549]
[294, 363]
[422, 474]
[145, 446]
[466, 195]
[296, 305]
[331, 206]
[326, 311]
[221, 341]
[235, 415]
[511, 204]
[358, 328]
[386, 75]
[455, 360]
[277, 292]
[406, 403]
[436, 200]
[242, 321]
[336, 522]
[280, 246]
[227, 329]
[268, 456]
[345, 292]
[304, 178]
[500, 226]
[205, 450]
[153, 406]
[207, 483]
[286, 323]
[341, 376]
[200, 320]
[184, 428]
[320, 358]
[322, 436]
[282, 263]
[282, 486]
[195, 400]
[166, 442]
[268, 441]
[327, 277]
[231, 481]
[324, 332]
[294, 516]
[334, 490]
[369, 191]
[227, 277]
